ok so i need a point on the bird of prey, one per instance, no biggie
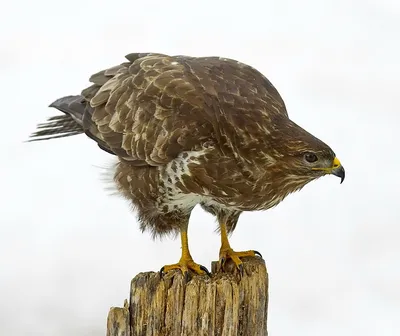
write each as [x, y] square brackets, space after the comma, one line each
[193, 130]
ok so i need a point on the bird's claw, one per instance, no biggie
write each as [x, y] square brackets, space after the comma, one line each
[203, 268]
[228, 253]
[185, 265]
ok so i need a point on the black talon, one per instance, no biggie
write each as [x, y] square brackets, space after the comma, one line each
[161, 272]
[241, 269]
[186, 276]
[221, 264]
[257, 253]
[203, 268]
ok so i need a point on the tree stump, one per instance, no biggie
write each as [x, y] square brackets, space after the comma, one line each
[226, 304]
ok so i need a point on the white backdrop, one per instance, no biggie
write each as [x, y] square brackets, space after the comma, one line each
[68, 250]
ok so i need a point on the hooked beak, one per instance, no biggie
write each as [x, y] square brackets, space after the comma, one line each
[338, 170]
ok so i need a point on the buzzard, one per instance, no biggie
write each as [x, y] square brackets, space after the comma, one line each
[193, 130]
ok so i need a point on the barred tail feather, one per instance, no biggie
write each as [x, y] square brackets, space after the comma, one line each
[56, 127]
[63, 125]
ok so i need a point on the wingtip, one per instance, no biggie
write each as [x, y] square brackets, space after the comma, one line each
[56, 102]
[53, 104]
[64, 100]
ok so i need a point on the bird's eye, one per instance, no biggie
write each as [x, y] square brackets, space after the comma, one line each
[310, 157]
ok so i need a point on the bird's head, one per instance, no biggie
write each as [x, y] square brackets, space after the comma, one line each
[308, 158]
[314, 163]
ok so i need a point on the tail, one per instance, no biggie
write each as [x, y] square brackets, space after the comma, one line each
[66, 125]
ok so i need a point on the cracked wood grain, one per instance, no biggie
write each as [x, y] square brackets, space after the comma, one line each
[223, 305]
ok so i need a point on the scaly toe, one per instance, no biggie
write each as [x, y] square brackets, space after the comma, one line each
[226, 254]
[185, 266]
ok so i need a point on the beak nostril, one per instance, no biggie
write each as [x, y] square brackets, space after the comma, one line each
[336, 163]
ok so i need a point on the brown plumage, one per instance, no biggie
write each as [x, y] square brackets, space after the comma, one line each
[187, 131]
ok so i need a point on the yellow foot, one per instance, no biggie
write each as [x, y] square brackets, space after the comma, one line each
[228, 253]
[185, 265]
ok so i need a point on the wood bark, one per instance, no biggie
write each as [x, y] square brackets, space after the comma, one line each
[226, 304]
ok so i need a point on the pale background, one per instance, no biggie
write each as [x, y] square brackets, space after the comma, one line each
[68, 250]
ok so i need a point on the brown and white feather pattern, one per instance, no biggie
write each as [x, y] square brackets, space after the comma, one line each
[187, 131]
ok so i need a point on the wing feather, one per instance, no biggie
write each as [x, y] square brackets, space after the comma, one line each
[138, 106]
[152, 108]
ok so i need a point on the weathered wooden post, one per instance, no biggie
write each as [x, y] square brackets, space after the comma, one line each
[223, 305]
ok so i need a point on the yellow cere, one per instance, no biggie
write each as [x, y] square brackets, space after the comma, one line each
[336, 164]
